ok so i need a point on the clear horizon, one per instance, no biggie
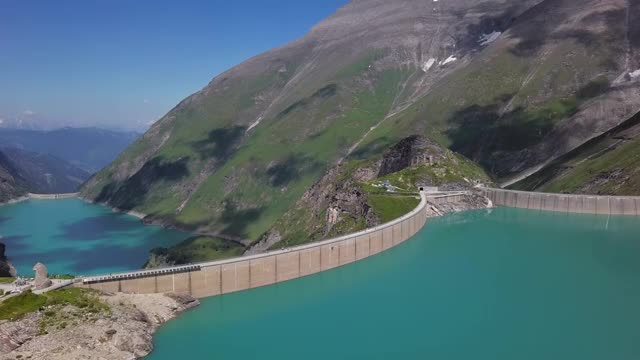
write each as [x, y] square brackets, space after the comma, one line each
[92, 64]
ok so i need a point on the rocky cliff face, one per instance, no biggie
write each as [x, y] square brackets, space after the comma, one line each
[348, 198]
[11, 184]
[6, 269]
[509, 84]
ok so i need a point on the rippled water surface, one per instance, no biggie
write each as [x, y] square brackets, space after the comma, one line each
[72, 236]
[501, 284]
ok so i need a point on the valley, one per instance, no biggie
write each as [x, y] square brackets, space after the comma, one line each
[345, 174]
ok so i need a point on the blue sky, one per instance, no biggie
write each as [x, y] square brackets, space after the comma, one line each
[125, 63]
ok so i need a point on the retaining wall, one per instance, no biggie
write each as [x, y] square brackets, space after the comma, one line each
[582, 204]
[226, 276]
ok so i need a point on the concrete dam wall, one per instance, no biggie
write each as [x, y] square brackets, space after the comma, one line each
[227, 276]
[52, 196]
[582, 204]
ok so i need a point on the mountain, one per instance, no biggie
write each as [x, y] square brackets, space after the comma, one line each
[11, 184]
[608, 164]
[511, 85]
[43, 173]
[88, 148]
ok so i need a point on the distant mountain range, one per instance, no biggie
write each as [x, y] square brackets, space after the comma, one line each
[43, 173]
[90, 149]
[511, 85]
[56, 161]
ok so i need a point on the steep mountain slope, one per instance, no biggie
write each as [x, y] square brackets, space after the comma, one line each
[510, 84]
[607, 165]
[11, 184]
[88, 148]
[42, 173]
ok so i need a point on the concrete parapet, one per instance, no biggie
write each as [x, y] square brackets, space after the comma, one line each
[602, 205]
[262, 271]
[235, 277]
[575, 204]
[363, 243]
[562, 204]
[629, 206]
[310, 261]
[589, 205]
[376, 242]
[522, 200]
[347, 251]
[535, 201]
[288, 266]
[329, 256]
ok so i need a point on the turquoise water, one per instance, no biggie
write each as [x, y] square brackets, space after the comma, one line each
[501, 284]
[72, 236]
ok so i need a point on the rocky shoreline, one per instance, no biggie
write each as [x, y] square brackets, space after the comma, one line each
[124, 332]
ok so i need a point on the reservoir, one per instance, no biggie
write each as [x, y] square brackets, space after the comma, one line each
[492, 284]
[72, 236]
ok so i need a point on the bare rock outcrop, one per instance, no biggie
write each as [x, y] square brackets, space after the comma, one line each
[411, 151]
[123, 333]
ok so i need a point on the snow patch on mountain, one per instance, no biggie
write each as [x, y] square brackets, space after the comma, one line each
[450, 59]
[428, 64]
[487, 39]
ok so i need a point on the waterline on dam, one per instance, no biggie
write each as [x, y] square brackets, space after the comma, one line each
[496, 284]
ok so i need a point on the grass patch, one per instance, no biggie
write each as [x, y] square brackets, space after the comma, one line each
[7, 280]
[391, 207]
[62, 277]
[199, 249]
[17, 306]
[28, 302]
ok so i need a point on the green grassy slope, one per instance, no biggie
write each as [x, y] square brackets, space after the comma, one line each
[608, 164]
[359, 80]
[236, 183]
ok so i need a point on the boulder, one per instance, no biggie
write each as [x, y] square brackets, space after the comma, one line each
[42, 277]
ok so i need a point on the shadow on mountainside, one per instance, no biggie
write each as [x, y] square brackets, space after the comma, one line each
[546, 23]
[236, 221]
[487, 135]
[375, 147]
[291, 168]
[220, 143]
[132, 192]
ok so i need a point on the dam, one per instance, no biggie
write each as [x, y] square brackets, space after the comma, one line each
[566, 203]
[248, 272]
